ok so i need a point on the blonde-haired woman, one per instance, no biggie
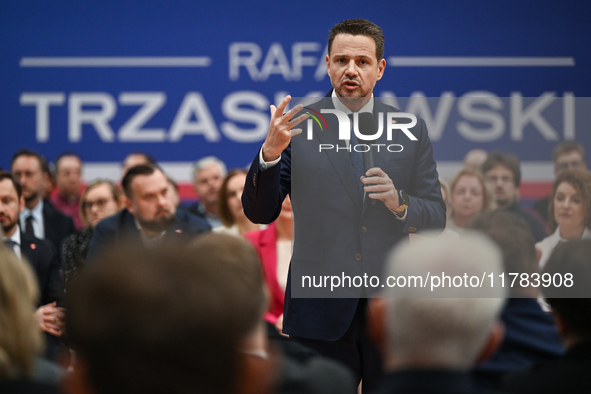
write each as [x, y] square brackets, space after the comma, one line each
[469, 196]
[21, 340]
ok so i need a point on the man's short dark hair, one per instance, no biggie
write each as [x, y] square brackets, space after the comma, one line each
[142, 169]
[66, 154]
[17, 186]
[510, 161]
[567, 147]
[43, 163]
[359, 27]
[149, 158]
[573, 303]
[162, 320]
[512, 234]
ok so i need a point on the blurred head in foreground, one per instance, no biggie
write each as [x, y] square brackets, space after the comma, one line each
[450, 329]
[161, 320]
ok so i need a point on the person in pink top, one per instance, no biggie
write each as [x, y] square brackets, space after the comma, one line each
[66, 196]
[273, 245]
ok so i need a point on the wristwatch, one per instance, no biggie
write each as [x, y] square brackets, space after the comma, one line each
[404, 203]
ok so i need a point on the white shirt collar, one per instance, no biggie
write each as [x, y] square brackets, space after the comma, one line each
[342, 107]
[37, 212]
[148, 241]
[558, 238]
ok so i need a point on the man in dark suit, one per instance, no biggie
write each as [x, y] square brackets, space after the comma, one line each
[39, 218]
[571, 305]
[41, 256]
[431, 339]
[150, 216]
[345, 219]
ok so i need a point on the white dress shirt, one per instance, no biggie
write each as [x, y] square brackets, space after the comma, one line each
[38, 222]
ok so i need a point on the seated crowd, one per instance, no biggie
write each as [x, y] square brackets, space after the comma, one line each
[128, 290]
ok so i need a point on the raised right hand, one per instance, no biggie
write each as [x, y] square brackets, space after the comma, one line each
[280, 129]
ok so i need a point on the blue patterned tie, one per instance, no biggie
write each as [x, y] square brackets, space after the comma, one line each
[356, 159]
[9, 244]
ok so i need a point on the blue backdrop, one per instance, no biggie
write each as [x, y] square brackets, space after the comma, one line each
[204, 73]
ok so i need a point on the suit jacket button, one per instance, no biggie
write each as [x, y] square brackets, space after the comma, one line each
[363, 229]
[412, 229]
[358, 257]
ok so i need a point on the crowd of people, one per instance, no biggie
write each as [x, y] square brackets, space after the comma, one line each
[137, 214]
[116, 286]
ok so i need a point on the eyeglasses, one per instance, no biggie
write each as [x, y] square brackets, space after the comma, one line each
[100, 204]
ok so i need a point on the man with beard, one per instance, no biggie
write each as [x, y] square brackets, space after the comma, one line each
[39, 217]
[502, 174]
[40, 255]
[150, 216]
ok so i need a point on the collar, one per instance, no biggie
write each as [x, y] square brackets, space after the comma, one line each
[16, 237]
[557, 238]
[37, 212]
[342, 107]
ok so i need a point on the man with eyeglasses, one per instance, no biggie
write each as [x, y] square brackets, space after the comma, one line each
[502, 174]
[566, 155]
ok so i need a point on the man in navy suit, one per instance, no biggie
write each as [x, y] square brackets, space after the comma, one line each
[345, 219]
[42, 257]
[39, 217]
[150, 216]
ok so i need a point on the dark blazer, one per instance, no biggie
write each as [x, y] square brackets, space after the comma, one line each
[569, 374]
[120, 228]
[57, 225]
[336, 232]
[427, 381]
[43, 259]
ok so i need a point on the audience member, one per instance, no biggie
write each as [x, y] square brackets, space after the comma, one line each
[429, 344]
[161, 320]
[273, 246]
[234, 221]
[469, 196]
[68, 177]
[310, 374]
[570, 373]
[39, 217]
[566, 155]
[40, 255]
[135, 159]
[20, 339]
[569, 209]
[503, 176]
[48, 170]
[474, 159]
[149, 217]
[173, 189]
[208, 175]
[99, 200]
[531, 335]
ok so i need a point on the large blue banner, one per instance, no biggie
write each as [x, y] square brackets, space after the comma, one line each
[185, 79]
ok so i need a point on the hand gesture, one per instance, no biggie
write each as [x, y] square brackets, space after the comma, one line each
[280, 129]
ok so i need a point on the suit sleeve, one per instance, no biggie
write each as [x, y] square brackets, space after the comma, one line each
[53, 289]
[427, 208]
[97, 243]
[265, 190]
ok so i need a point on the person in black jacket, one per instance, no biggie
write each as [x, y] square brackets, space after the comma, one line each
[150, 216]
[39, 217]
